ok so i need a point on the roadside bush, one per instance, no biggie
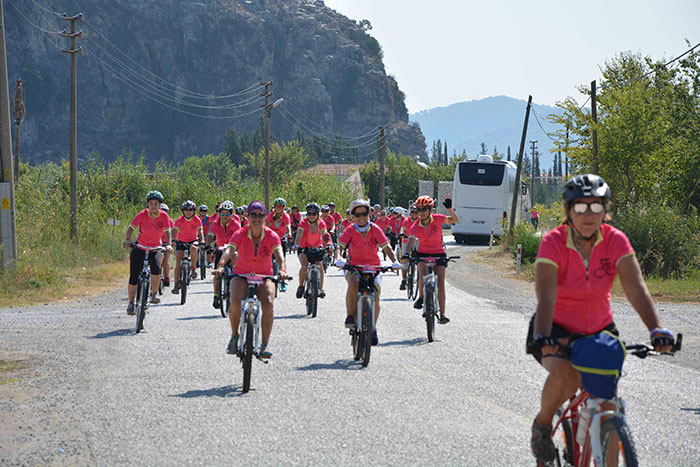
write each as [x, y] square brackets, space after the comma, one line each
[666, 243]
[524, 234]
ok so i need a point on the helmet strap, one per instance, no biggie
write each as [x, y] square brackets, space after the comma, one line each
[588, 239]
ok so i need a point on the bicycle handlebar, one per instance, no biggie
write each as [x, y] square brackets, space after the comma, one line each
[645, 350]
[362, 268]
[274, 279]
[148, 248]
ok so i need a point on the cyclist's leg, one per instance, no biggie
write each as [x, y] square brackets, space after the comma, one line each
[322, 274]
[304, 269]
[440, 272]
[239, 292]
[194, 255]
[266, 295]
[155, 259]
[421, 270]
[179, 254]
[135, 264]
[377, 294]
[351, 294]
[217, 257]
[166, 266]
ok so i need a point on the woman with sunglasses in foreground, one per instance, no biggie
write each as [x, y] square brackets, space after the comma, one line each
[362, 239]
[250, 250]
[574, 272]
[428, 232]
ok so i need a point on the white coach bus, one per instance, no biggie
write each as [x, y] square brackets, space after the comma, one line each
[482, 193]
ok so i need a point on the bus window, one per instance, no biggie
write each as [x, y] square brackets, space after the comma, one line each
[481, 174]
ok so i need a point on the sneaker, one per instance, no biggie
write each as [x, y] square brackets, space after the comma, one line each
[418, 304]
[176, 289]
[193, 274]
[403, 285]
[283, 286]
[375, 339]
[321, 293]
[154, 299]
[443, 319]
[541, 442]
[130, 309]
[166, 282]
[232, 347]
[300, 291]
[349, 322]
[264, 353]
[217, 302]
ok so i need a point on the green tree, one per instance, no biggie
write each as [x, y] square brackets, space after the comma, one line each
[285, 160]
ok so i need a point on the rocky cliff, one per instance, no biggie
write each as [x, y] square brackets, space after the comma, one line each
[148, 66]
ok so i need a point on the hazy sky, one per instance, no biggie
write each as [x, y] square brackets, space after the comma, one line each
[448, 51]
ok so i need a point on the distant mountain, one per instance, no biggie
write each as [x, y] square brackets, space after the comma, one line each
[495, 121]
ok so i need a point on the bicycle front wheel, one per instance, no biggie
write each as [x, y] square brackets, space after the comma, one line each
[141, 305]
[409, 281]
[202, 264]
[224, 284]
[429, 311]
[248, 350]
[616, 442]
[313, 299]
[184, 282]
[367, 329]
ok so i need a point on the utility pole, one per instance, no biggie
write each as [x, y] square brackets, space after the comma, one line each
[566, 151]
[532, 181]
[594, 114]
[267, 94]
[73, 51]
[18, 112]
[516, 194]
[381, 166]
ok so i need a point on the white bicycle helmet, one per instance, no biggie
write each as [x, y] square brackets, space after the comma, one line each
[359, 203]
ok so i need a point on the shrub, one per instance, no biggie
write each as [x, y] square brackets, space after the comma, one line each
[666, 243]
[524, 234]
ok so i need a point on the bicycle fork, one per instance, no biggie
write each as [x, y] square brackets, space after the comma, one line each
[250, 305]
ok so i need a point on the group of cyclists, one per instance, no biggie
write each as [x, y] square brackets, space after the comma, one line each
[575, 268]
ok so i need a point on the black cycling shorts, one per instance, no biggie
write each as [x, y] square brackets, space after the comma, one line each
[155, 258]
[441, 257]
[557, 333]
[313, 255]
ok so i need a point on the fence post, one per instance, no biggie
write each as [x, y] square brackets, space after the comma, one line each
[520, 256]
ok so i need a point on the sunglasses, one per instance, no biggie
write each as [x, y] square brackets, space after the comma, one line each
[225, 214]
[255, 215]
[361, 214]
[581, 207]
[422, 209]
[188, 210]
[312, 213]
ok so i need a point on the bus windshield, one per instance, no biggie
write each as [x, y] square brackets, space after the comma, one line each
[481, 174]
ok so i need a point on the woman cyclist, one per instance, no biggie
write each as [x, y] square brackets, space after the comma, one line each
[242, 215]
[153, 224]
[404, 230]
[428, 232]
[188, 229]
[279, 221]
[362, 239]
[223, 229]
[165, 266]
[575, 270]
[251, 249]
[311, 233]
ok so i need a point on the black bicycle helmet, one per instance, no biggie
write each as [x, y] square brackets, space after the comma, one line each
[188, 205]
[586, 186]
[313, 207]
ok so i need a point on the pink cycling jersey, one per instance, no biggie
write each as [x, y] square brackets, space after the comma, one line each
[224, 233]
[406, 228]
[308, 239]
[363, 250]
[430, 238]
[151, 230]
[279, 225]
[171, 224]
[187, 229]
[384, 222]
[248, 261]
[583, 296]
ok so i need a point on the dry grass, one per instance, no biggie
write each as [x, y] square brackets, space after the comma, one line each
[7, 366]
[75, 283]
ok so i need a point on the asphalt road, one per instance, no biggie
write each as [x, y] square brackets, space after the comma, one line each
[95, 393]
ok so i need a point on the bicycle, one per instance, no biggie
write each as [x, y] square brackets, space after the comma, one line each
[202, 263]
[225, 289]
[411, 280]
[361, 332]
[249, 330]
[590, 432]
[144, 288]
[185, 271]
[313, 280]
[430, 293]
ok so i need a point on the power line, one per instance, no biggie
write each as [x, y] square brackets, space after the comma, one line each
[372, 132]
[30, 21]
[537, 119]
[331, 140]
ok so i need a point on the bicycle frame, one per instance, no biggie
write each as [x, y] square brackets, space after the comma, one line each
[251, 305]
